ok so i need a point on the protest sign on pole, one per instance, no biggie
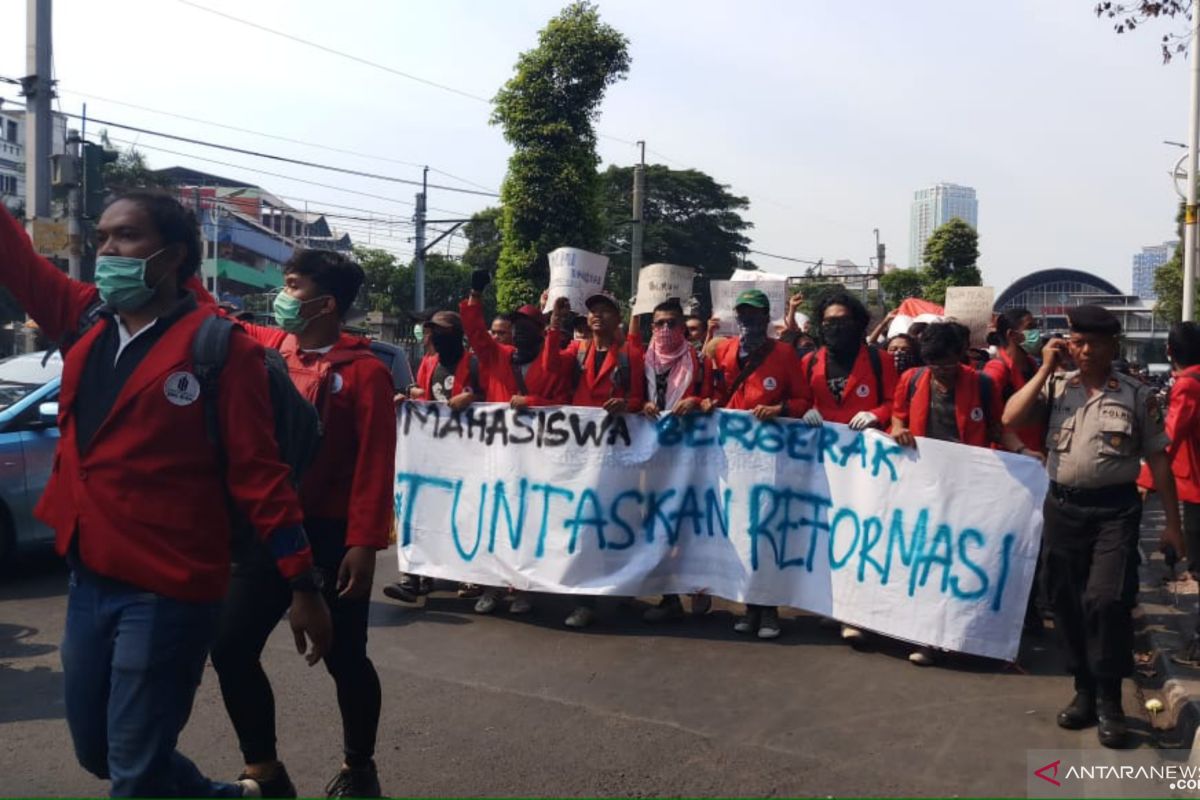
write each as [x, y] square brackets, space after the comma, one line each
[575, 274]
[660, 282]
[724, 295]
[972, 306]
[934, 544]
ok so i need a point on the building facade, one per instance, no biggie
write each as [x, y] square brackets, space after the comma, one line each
[12, 152]
[1146, 263]
[935, 206]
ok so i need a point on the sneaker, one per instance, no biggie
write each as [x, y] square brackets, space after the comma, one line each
[424, 585]
[670, 609]
[399, 591]
[748, 623]
[486, 603]
[521, 604]
[248, 787]
[470, 590]
[355, 782]
[278, 785]
[922, 657]
[768, 626]
[701, 604]
[852, 635]
[581, 617]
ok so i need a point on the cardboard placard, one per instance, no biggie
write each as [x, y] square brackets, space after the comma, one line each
[660, 282]
[972, 306]
[724, 295]
[576, 275]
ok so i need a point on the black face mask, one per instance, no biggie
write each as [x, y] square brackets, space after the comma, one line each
[903, 360]
[528, 342]
[449, 347]
[842, 335]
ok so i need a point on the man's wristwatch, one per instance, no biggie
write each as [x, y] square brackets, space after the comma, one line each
[310, 581]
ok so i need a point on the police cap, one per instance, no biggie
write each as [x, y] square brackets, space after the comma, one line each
[1093, 319]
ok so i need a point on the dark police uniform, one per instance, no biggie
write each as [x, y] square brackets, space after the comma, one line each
[1094, 447]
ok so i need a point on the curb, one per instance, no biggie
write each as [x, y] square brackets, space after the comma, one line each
[1163, 625]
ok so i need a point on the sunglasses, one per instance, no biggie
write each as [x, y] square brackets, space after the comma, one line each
[666, 323]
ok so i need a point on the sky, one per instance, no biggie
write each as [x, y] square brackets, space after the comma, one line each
[826, 115]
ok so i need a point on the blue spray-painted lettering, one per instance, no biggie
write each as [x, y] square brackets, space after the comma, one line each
[467, 556]
[1005, 555]
[969, 535]
[548, 491]
[414, 482]
[619, 521]
[587, 515]
[500, 501]
[836, 563]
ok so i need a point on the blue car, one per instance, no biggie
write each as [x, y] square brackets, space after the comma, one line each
[28, 437]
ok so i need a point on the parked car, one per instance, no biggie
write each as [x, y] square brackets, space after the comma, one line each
[28, 437]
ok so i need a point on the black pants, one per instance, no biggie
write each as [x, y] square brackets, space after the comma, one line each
[258, 598]
[1090, 561]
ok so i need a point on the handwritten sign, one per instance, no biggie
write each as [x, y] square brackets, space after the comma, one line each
[660, 282]
[972, 306]
[838, 522]
[724, 295]
[575, 274]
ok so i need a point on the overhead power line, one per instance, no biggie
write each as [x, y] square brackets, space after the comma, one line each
[341, 53]
[265, 135]
[787, 258]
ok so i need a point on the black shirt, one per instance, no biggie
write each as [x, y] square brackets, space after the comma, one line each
[101, 381]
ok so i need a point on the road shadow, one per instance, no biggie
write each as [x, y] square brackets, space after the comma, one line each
[33, 576]
[14, 642]
[29, 694]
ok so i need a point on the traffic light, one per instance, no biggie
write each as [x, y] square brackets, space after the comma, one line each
[94, 159]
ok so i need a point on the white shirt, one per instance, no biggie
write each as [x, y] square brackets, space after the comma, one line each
[124, 337]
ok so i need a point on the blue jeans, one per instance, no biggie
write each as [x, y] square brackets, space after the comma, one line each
[132, 662]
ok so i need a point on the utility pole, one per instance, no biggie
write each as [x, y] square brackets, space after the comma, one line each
[75, 209]
[37, 88]
[216, 223]
[639, 196]
[1189, 217]
[419, 221]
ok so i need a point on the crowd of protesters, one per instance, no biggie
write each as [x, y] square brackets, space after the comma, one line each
[158, 469]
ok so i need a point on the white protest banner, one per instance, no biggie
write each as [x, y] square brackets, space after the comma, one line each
[575, 274]
[972, 306]
[935, 545]
[660, 282]
[724, 295]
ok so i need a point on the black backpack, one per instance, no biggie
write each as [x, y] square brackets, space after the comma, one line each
[298, 425]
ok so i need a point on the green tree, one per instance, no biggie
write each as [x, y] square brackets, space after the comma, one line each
[900, 284]
[129, 171]
[688, 219]
[390, 287]
[1168, 279]
[952, 247]
[383, 285]
[547, 111]
[483, 240]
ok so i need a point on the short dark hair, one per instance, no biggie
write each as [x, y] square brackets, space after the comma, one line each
[1184, 342]
[1010, 320]
[671, 306]
[858, 312]
[942, 340]
[333, 272]
[911, 341]
[174, 222]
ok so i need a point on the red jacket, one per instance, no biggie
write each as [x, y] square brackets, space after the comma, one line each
[974, 417]
[351, 479]
[147, 499]
[1183, 427]
[462, 374]
[1009, 380]
[776, 381]
[545, 382]
[594, 389]
[862, 392]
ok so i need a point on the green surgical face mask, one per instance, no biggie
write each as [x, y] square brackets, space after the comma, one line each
[1032, 341]
[287, 312]
[121, 281]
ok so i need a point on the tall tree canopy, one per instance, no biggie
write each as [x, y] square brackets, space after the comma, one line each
[547, 111]
[689, 219]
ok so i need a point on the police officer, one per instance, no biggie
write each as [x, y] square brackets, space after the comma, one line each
[1101, 424]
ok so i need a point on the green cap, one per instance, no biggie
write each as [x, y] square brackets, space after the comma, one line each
[753, 297]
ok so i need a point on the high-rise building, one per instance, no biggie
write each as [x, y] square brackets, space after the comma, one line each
[934, 207]
[1146, 263]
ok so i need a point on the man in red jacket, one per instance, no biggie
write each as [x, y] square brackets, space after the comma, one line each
[347, 498]
[138, 493]
[755, 373]
[1015, 365]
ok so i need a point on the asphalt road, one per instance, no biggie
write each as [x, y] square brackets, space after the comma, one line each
[521, 706]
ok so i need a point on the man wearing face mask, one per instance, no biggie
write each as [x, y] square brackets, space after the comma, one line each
[1015, 366]
[450, 374]
[525, 374]
[755, 373]
[903, 350]
[850, 382]
[347, 498]
[138, 493]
